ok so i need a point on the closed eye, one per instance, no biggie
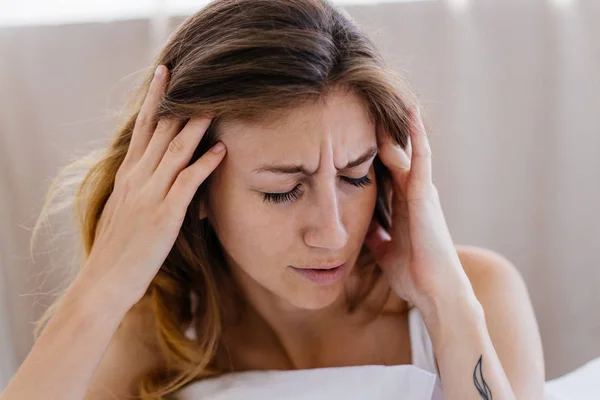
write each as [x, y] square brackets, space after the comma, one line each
[360, 182]
[296, 192]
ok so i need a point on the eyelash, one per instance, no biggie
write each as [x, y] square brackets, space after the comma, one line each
[293, 194]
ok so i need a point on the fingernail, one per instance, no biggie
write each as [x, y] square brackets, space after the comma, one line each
[404, 161]
[219, 147]
[158, 71]
[417, 117]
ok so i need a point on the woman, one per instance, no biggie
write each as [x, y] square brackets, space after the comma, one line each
[271, 193]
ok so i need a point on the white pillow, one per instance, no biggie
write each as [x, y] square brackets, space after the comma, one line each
[373, 382]
[581, 384]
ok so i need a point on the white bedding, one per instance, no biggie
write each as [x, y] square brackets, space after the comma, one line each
[373, 382]
[581, 384]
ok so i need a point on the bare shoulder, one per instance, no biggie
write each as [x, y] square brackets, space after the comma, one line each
[496, 281]
[132, 351]
[510, 318]
[481, 263]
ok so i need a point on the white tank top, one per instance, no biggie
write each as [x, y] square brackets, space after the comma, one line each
[420, 342]
[421, 348]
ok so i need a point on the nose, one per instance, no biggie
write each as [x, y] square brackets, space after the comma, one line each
[325, 226]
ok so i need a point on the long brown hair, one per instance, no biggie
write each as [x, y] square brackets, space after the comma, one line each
[242, 59]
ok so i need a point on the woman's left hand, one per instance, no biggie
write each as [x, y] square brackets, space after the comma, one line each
[417, 255]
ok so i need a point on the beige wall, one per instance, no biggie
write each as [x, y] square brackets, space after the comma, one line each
[512, 93]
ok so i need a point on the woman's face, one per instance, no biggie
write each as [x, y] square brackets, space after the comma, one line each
[282, 198]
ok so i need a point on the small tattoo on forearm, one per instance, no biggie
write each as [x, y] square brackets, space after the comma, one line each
[480, 384]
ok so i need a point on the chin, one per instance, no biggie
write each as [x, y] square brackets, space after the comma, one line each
[315, 292]
[316, 298]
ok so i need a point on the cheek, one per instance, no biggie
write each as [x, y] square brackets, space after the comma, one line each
[247, 230]
[363, 206]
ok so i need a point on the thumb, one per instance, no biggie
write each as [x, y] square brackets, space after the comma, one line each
[377, 240]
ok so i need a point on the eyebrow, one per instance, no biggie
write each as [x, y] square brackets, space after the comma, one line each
[297, 169]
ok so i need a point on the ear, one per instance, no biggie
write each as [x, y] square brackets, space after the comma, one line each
[203, 209]
[203, 206]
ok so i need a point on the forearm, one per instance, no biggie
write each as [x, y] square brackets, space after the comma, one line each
[63, 360]
[469, 366]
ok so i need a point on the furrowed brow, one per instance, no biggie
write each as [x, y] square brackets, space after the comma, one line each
[300, 169]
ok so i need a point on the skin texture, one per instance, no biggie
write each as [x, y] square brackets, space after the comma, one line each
[466, 294]
[326, 223]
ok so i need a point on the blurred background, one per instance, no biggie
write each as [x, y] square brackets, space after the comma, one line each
[511, 90]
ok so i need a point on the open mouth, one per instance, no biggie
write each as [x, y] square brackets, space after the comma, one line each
[322, 276]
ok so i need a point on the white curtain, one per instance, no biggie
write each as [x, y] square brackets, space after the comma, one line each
[511, 89]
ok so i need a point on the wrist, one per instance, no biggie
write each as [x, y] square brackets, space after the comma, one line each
[448, 293]
[89, 300]
[454, 309]
[78, 314]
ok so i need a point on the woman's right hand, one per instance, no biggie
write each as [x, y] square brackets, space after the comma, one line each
[136, 232]
[152, 191]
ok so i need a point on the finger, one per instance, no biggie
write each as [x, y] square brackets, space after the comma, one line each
[178, 154]
[394, 158]
[166, 130]
[421, 151]
[408, 148]
[377, 240]
[187, 182]
[400, 228]
[399, 206]
[146, 121]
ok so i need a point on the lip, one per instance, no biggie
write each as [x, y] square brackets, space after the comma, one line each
[322, 276]
[330, 265]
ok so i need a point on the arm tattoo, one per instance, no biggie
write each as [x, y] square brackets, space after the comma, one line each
[480, 384]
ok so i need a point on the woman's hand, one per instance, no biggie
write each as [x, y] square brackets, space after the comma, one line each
[152, 191]
[422, 266]
[417, 256]
[136, 232]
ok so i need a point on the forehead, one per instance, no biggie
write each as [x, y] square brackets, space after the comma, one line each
[340, 121]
